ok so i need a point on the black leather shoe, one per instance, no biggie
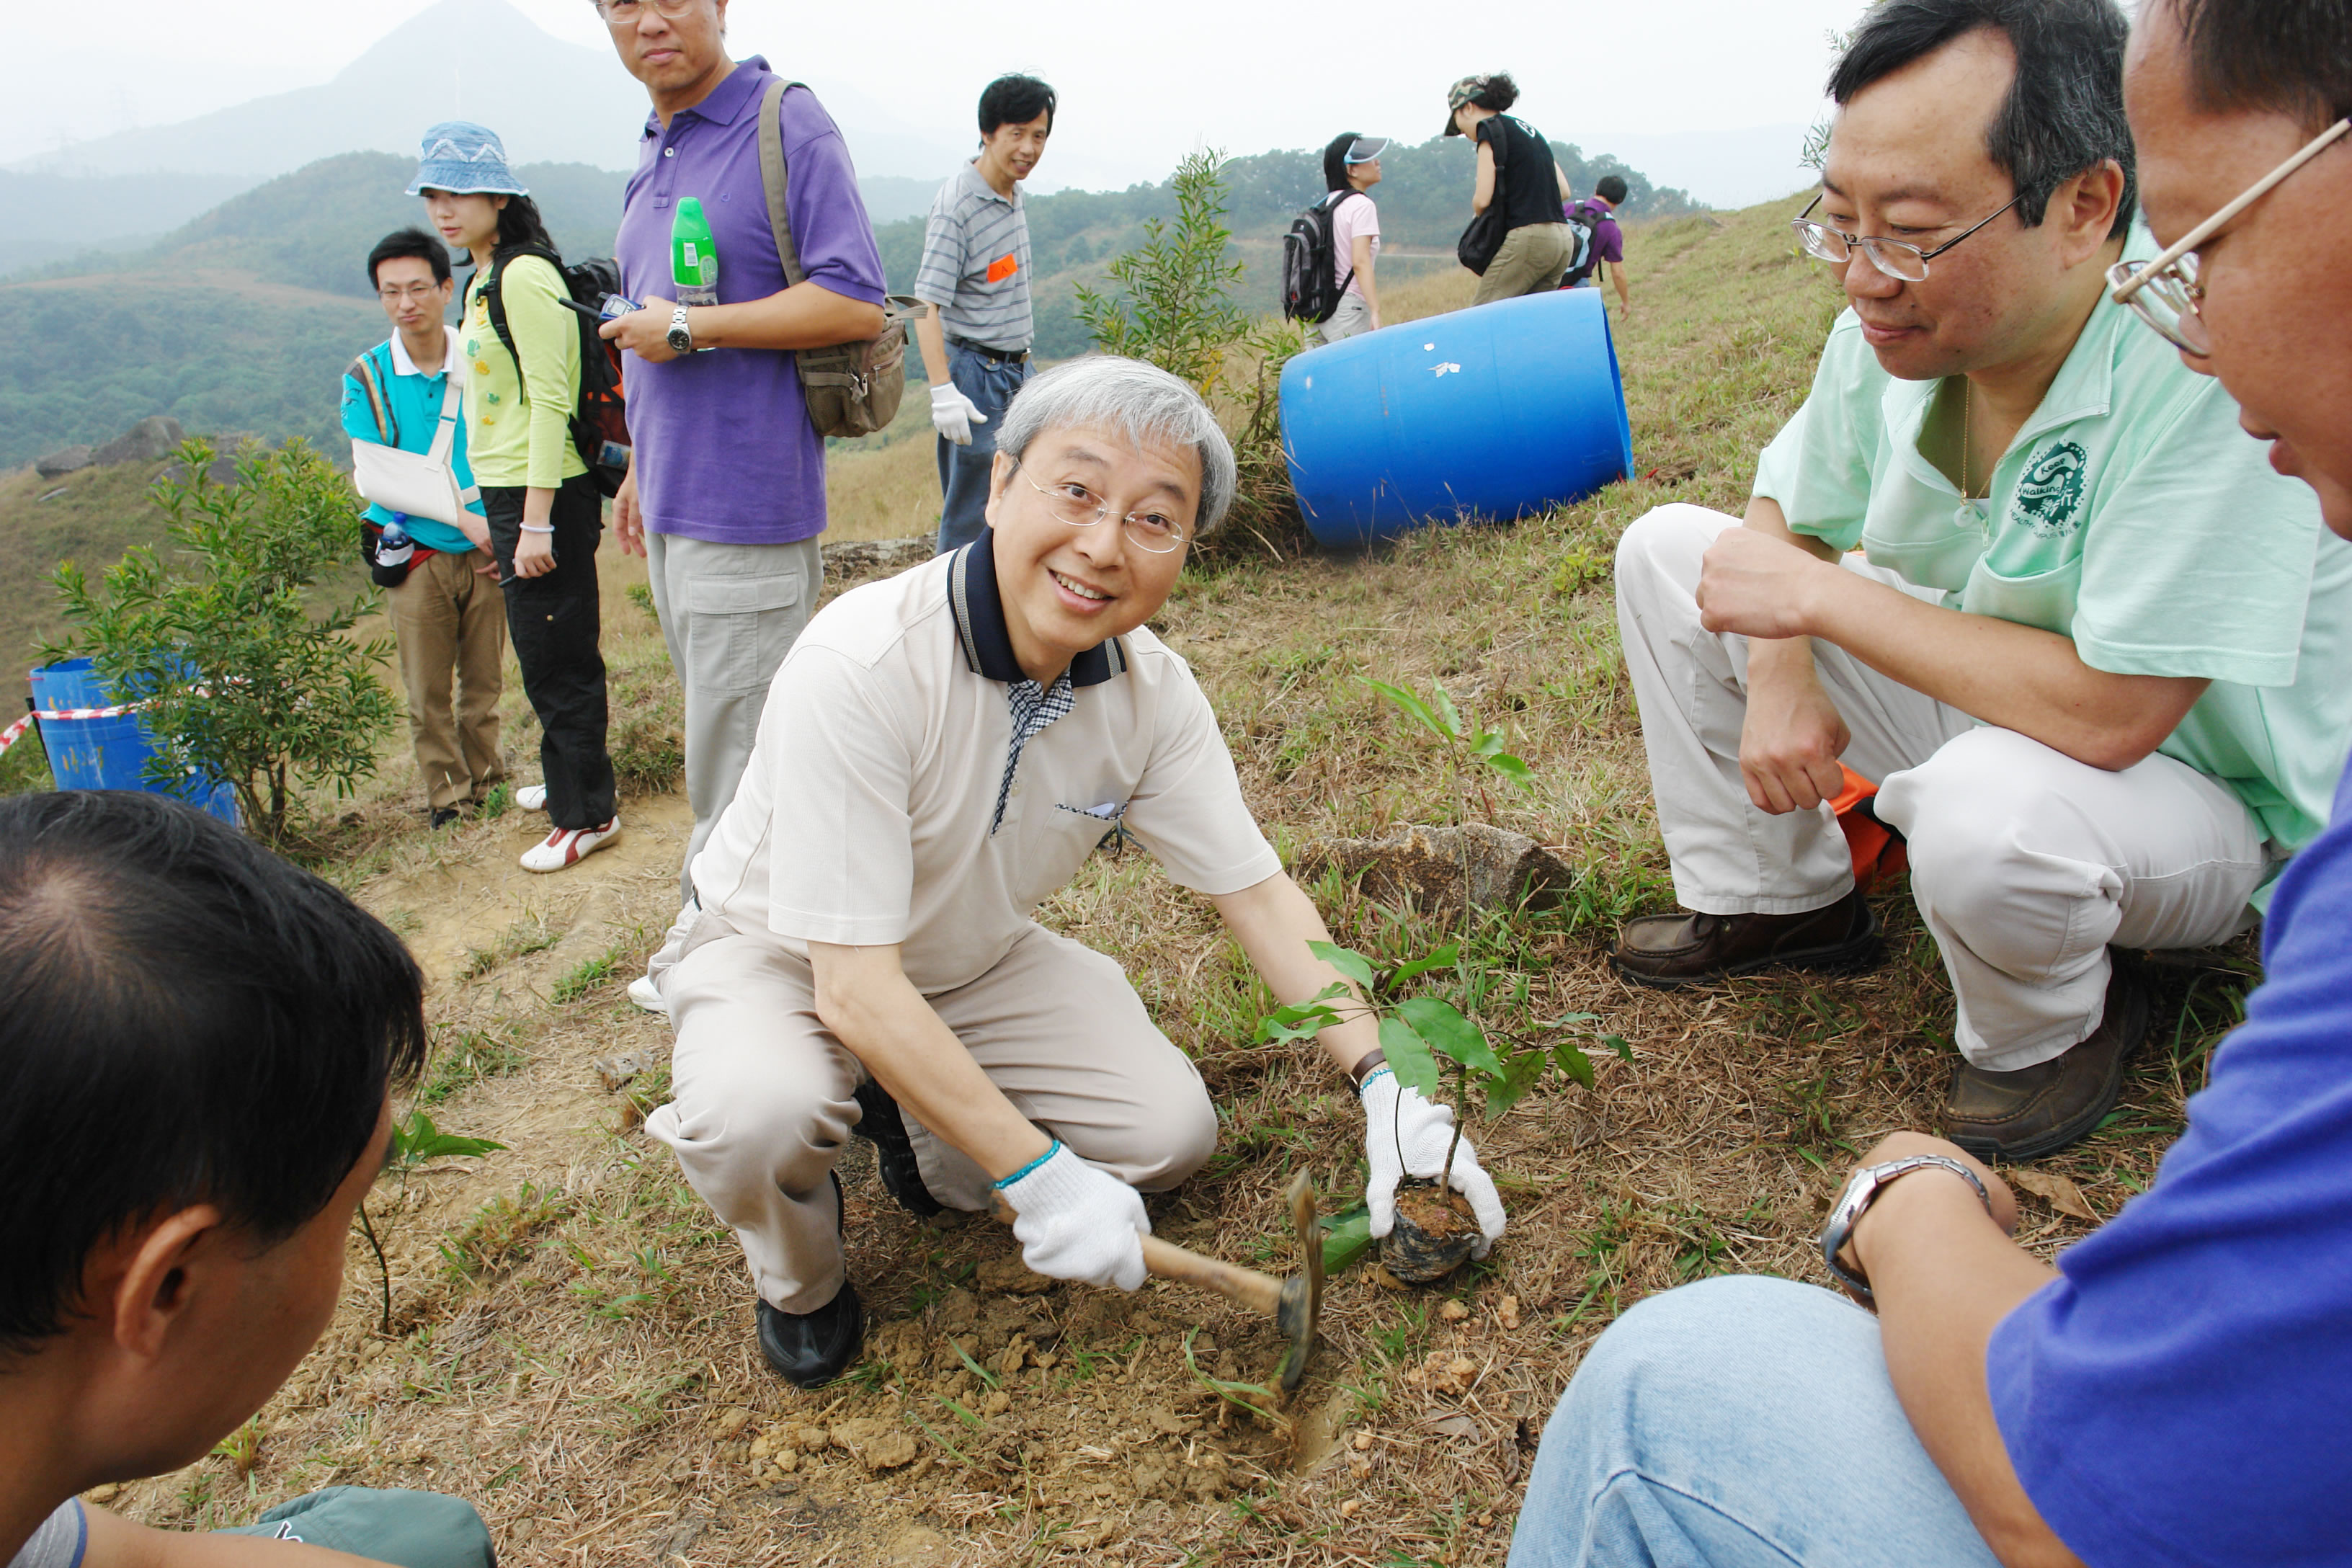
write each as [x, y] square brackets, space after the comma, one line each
[810, 1349]
[880, 1125]
[443, 815]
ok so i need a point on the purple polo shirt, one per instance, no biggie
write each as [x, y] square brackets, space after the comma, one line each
[1608, 239]
[724, 447]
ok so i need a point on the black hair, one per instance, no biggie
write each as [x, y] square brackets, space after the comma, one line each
[409, 243]
[1499, 93]
[2294, 57]
[2064, 112]
[1335, 161]
[1609, 188]
[188, 1019]
[520, 225]
[1015, 100]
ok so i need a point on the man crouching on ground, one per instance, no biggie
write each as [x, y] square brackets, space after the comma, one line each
[939, 754]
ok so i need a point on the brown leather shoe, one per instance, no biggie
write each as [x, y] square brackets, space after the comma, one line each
[2038, 1110]
[1690, 949]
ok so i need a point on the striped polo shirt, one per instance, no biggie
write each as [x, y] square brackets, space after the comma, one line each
[975, 267]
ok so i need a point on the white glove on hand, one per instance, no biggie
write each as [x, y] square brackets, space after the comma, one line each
[1398, 1118]
[1074, 1222]
[953, 415]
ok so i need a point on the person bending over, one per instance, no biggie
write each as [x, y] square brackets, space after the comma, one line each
[2172, 1393]
[940, 754]
[194, 1061]
[2080, 652]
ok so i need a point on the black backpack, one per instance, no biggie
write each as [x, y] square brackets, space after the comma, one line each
[1583, 228]
[599, 419]
[1310, 292]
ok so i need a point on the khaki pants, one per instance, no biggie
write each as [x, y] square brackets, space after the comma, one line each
[764, 1090]
[729, 612]
[446, 619]
[1533, 257]
[1352, 318]
[2025, 863]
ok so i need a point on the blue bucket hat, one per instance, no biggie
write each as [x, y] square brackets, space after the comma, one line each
[464, 158]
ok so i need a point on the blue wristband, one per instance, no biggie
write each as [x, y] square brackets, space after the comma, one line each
[1032, 1165]
[1369, 1078]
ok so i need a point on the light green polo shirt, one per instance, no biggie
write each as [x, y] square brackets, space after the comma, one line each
[2131, 514]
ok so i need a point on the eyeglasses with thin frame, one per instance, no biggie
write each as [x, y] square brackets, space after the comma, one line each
[1898, 259]
[621, 12]
[418, 291]
[2163, 291]
[1079, 507]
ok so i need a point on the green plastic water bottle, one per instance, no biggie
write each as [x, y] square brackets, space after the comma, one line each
[693, 257]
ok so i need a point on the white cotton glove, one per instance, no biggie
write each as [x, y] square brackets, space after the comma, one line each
[1398, 1118]
[953, 415]
[1074, 1222]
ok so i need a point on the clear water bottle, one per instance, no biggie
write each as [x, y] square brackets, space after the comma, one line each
[392, 546]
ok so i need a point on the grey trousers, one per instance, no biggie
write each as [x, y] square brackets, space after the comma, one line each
[764, 1089]
[729, 612]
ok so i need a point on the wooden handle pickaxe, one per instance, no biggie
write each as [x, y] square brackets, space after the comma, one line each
[1295, 1304]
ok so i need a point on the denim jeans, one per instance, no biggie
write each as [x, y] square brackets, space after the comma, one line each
[1739, 1423]
[964, 470]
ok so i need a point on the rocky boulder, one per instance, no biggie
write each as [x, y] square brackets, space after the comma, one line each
[857, 560]
[56, 465]
[157, 436]
[1424, 867]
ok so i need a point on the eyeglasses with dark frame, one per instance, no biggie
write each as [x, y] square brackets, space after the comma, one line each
[2163, 291]
[1891, 257]
[621, 12]
[1073, 504]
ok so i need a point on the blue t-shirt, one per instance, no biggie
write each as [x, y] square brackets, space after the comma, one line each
[2183, 1395]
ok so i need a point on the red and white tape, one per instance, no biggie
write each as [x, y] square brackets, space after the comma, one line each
[16, 732]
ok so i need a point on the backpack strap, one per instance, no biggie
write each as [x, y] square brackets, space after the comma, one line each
[776, 180]
[363, 370]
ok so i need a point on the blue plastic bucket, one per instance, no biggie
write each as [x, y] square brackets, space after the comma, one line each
[109, 753]
[1495, 412]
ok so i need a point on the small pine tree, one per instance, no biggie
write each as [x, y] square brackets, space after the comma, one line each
[1174, 307]
[244, 660]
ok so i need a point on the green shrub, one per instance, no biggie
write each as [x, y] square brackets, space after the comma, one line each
[244, 657]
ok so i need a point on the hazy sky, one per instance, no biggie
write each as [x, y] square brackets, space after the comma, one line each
[1145, 82]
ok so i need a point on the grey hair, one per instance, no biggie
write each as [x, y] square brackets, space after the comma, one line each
[1141, 402]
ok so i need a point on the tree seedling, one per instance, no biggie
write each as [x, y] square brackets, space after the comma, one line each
[414, 1143]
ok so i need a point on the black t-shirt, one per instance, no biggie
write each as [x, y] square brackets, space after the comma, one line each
[1524, 182]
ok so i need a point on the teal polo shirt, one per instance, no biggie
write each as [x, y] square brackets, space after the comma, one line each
[2131, 514]
[414, 400]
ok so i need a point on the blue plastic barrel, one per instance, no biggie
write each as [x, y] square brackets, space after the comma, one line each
[107, 753]
[1495, 412]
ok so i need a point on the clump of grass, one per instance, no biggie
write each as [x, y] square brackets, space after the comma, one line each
[475, 1055]
[526, 936]
[587, 975]
[242, 1447]
[502, 1231]
[498, 801]
[641, 594]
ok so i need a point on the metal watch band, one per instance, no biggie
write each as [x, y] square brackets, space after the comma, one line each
[681, 336]
[1862, 1190]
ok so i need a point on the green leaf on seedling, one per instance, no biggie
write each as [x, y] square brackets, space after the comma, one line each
[1511, 768]
[1346, 1237]
[1617, 1043]
[416, 1140]
[1346, 960]
[1447, 714]
[1450, 1034]
[1443, 958]
[1574, 1062]
[1409, 1057]
[1414, 707]
[1520, 1075]
[1302, 1020]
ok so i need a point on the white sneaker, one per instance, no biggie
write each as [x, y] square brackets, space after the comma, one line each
[567, 847]
[531, 797]
[642, 991]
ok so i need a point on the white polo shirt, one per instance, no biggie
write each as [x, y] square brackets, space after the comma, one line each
[870, 814]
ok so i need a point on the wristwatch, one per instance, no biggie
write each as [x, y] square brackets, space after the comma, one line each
[681, 339]
[1861, 1190]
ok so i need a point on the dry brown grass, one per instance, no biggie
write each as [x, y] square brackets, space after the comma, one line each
[572, 1347]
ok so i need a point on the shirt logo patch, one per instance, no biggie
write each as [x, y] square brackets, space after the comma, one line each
[1004, 267]
[2051, 493]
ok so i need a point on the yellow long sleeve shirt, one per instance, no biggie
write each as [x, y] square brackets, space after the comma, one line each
[518, 425]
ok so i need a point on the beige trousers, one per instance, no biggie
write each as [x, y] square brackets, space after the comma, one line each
[2025, 863]
[1533, 257]
[764, 1089]
[446, 619]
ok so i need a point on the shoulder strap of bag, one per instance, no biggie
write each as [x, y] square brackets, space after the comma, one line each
[495, 298]
[776, 180]
[363, 371]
